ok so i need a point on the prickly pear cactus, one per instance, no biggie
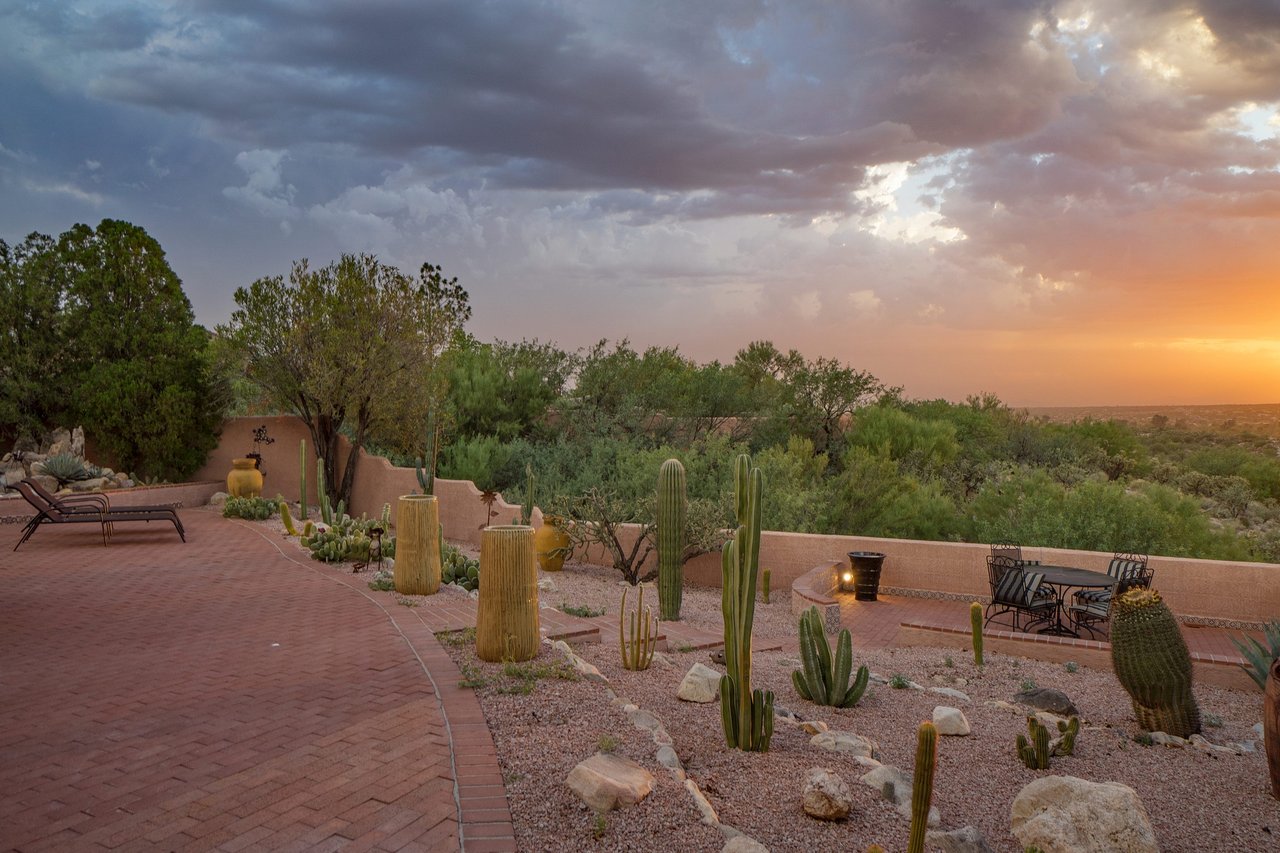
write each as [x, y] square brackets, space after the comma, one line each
[1150, 658]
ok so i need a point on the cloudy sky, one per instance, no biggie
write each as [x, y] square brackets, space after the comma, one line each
[1072, 202]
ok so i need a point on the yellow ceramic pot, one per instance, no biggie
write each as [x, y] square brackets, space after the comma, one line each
[551, 544]
[245, 480]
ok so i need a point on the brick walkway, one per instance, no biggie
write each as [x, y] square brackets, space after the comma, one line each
[227, 694]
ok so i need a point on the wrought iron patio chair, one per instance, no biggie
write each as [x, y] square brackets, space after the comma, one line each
[1018, 590]
[1013, 552]
[49, 513]
[1091, 607]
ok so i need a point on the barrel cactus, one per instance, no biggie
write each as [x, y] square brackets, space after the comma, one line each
[1150, 658]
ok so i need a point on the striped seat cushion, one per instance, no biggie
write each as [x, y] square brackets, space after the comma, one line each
[1121, 569]
[1091, 610]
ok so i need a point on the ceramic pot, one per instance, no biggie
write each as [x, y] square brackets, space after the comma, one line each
[551, 544]
[244, 480]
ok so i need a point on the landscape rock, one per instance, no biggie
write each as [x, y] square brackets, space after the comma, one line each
[93, 484]
[892, 783]
[950, 721]
[1003, 706]
[969, 839]
[950, 693]
[743, 844]
[218, 498]
[50, 483]
[667, 758]
[701, 684]
[1166, 739]
[825, 795]
[59, 442]
[814, 727]
[13, 472]
[606, 781]
[1048, 699]
[77, 442]
[546, 585]
[847, 743]
[1063, 814]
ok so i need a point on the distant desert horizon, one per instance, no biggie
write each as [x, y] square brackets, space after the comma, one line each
[1257, 418]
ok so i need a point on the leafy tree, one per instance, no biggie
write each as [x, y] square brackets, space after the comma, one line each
[99, 332]
[33, 380]
[503, 389]
[355, 343]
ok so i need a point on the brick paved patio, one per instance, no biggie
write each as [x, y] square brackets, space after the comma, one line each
[226, 694]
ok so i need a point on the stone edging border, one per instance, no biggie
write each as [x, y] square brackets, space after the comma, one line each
[665, 754]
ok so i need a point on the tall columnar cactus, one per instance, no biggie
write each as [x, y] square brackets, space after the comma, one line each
[302, 480]
[824, 679]
[922, 784]
[672, 512]
[1035, 752]
[425, 469]
[975, 622]
[1150, 658]
[747, 715]
[639, 644]
[322, 493]
[765, 577]
[526, 507]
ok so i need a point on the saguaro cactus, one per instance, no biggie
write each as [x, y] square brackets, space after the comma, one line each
[747, 715]
[639, 644]
[507, 611]
[825, 679]
[672, 511]
[975, 622]
[322, 493]
[922, 784]
[1151, 660]
[526, 506]
[302, 480]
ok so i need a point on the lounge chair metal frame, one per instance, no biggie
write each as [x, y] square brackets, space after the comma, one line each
[73, 511]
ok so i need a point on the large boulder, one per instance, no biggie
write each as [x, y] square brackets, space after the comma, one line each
[77, 442]
[846, 742]
[895, 786]
[701, 684]
[968, 839]
[1063, 814]
[606, 781]
[825, 795]
[1048, 699]
[950, 721]
[59, 442]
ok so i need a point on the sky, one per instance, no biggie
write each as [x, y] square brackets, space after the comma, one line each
[1062, 203]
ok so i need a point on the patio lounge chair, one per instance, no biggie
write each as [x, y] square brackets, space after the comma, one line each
[90, 502]
[1016, 590]
[1092, 606]
[49, 513]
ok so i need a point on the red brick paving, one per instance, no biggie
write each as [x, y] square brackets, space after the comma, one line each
[227, 694]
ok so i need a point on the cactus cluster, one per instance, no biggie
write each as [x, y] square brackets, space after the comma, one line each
[747, 715]
[345, 539]
[1152, 663]
[638, 644]
[456, 568]
[1036, 749]
[672, 511]
[255, 509]
[922, 784]
[825, 678]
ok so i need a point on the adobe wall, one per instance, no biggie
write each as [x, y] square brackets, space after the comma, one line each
[1207, 591]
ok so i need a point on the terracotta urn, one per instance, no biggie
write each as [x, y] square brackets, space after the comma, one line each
[551, 545]
[245, 480]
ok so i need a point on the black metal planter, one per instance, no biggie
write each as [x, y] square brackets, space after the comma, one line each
[866, 574]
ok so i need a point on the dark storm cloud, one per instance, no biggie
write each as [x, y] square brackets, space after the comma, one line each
[758, 105]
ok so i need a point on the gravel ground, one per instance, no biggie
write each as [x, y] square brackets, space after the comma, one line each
[544, 721]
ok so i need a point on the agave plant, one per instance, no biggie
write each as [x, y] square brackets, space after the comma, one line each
[1259, 655]
[65, 468]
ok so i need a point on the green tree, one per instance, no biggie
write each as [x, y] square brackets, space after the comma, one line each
[505, 390]
[33, 376]
[355, 344]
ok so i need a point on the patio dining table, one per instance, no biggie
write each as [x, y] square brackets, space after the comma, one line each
[1063, 579]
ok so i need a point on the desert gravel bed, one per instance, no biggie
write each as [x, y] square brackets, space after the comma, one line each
[544, 721]
[1197, 800]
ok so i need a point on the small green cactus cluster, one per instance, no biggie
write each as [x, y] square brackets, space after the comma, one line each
[526, 506]
[457, 569]
[746, 714]
[348, 538]
[328, 515]
[1034, 752]
[1152, 663]
[975, 623]
[425, 468]
[255, 509]
[1067, 736]
[766, 579]
[302, 480]
[638, 644]
[825, 677]
[922, 784]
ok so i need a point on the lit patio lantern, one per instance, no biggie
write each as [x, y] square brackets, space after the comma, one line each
[846, 580]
